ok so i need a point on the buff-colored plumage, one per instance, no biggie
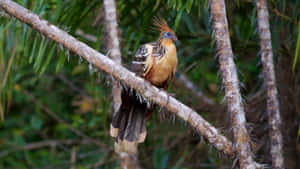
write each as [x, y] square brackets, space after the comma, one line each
[160, 69]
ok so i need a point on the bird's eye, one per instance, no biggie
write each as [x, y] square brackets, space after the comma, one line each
[167, 35]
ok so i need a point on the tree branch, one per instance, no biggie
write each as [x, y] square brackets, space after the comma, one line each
[231, 84]
[152, 93]
[113, 47]
[204, 101]
[45, 143]
[81, 92]
[270, 84]
[111, 27]
[189, 85]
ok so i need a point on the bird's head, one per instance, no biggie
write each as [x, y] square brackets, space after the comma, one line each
[165, 32]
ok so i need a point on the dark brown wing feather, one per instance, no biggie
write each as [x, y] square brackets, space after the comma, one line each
[141, 62]
[129, 123]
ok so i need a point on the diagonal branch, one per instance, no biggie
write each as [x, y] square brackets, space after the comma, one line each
[231, 84]
[102, 62]
[204, 101]
[270, 84]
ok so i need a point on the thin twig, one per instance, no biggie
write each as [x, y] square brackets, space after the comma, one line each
[54, 116]
[9, 66]
[42, 144]
[73, 158]
[190, 85]
[2, 85]
[88, 37]
[97, 59]
[75, 88]
[278, 13]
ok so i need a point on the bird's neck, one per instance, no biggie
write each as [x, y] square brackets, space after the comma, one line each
[165, 42]
[167, 49]
[167, 45]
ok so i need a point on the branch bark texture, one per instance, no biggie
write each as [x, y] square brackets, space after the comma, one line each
[231, 84]
[270, 84]
[102, 62]
[112, 26]
[113, 46]
[128, 161]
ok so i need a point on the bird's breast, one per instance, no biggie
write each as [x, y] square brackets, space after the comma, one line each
[164, 67]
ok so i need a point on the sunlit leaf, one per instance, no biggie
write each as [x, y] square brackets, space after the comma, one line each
[297, 47]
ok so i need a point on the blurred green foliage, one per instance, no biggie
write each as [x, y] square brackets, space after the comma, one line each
[38, 76]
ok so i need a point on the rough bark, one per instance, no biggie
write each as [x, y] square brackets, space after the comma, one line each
[102, 62]
[289, 100]
[289, 94]
[128, 161]
[231, 84]
[273, 110]
[112, 26]
[113, 47]
[113, 50]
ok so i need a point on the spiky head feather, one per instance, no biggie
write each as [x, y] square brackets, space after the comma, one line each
[162, 25]
[167, 35]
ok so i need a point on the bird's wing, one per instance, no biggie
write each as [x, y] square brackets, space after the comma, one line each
[143, 60]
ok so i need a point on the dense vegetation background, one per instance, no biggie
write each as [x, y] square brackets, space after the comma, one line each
[56, 109]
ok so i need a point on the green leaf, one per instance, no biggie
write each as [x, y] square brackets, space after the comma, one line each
[61, 58]
[178, 18]
[179, 4]
[297, 47]
[156, 5]
[40, 55]
[205, 4]
[137, 42]
[238, 3]
[36, 123]
[171, 4]
[33, 50]
[160, 159]
[58, 10]
[189, 5]
[174, 4]
[48, 59]
[298, 135]
[79, 69]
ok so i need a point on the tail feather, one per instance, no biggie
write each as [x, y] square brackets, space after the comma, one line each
[128, 125]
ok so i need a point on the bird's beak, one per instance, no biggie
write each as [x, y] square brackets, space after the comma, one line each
[174, 38]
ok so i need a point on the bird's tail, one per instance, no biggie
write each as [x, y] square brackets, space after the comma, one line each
[128, 125]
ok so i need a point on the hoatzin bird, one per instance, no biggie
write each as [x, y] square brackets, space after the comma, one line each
[156, 62]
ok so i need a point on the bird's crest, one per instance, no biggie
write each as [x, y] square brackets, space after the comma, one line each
[162, 25]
